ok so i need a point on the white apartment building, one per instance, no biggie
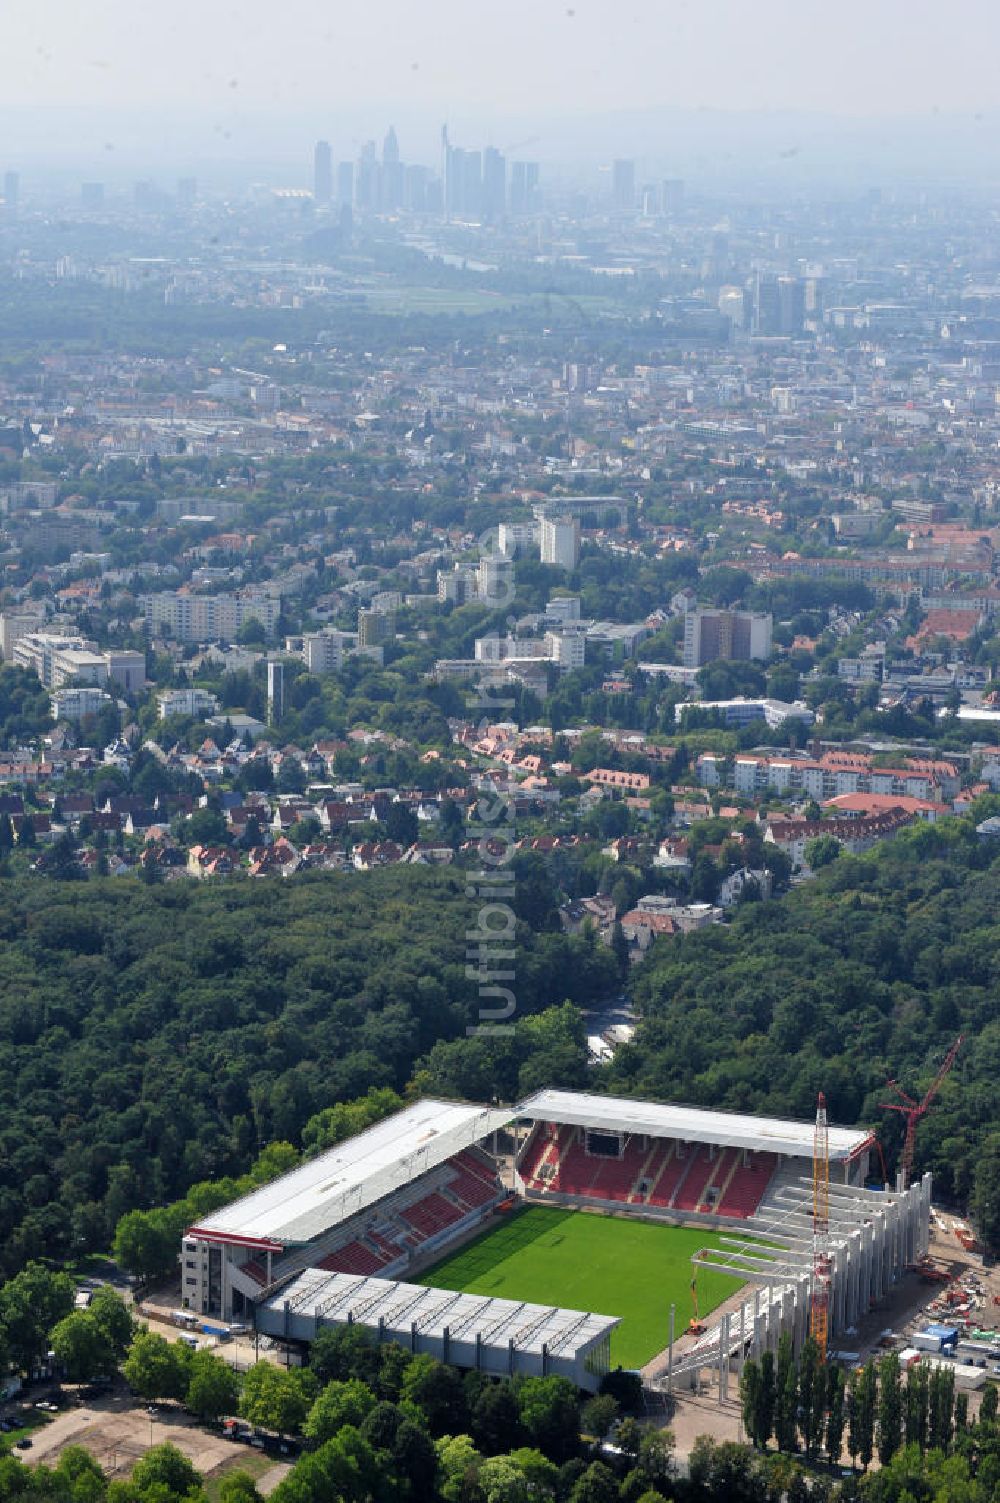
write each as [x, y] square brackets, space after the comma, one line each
[16, 624]
[560, 540]
[751, 776]
[567, 649]
[323, 651]
[517, 537]
[79, 703]
[195, 702]
[207, 618]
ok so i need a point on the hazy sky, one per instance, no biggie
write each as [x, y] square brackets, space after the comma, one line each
[511, 58]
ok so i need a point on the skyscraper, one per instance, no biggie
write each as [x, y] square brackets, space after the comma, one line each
[322, 173]
[523, 187]
[623, 184]
[92, 195]
[391, 194]
[672, 195]
[366, 182]
[494, 196]
[187, 191]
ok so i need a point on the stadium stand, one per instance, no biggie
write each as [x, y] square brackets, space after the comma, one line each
[666, 1173]
[745, 1191]
[466, 1184]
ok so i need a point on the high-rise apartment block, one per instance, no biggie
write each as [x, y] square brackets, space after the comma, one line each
[561, 541]
[375, 628]
[711, 635]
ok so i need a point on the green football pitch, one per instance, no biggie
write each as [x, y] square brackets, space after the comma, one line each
[606, 1264]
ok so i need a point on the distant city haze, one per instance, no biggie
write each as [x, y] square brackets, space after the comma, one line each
[902, 83]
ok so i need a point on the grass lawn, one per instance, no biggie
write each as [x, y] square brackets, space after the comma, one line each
[605, 1264]
[254, 1463]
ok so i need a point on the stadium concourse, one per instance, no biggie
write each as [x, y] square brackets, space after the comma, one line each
[331, 1240]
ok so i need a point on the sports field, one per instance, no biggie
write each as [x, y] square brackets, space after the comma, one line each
[606, 1264]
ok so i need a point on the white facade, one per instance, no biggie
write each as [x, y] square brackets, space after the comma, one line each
[561, 542]
[196, 702]
[323, 651]
[208, 618]
[77, 704]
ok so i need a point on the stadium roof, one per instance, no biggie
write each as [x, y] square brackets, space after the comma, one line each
[339, 1298]
[325, 1191]
[689, 1124]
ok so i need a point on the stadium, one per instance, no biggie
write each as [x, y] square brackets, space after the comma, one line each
[566, 1235]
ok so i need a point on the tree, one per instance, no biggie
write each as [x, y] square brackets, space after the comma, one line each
[988, 1407]
[274, 1399]
[598, 1415]
[836, 1412]
[861, 1413]
[890, 1408]
[31, 1304]
[114, 1319]
[168, 1468]
[750, 1390]
[550, 1415]
[459, 1464]
[82, 1347]
[501, 1480]
[820, 851]
[812, 1395]
[213, 1387]
[656, 1457]
[495, 1422]
[205, 827]
[985, 1202]
[156, 1368]
[6, 834]
[786, 1396]
[338, 1404]
[915, 1423]
[238, 1487]
[768, 1396]
[597, 1485]
[941, 1404]
[436, 1390]
[145, 1243]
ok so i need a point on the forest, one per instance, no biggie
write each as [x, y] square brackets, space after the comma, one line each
[867, 973]
[156, 1037]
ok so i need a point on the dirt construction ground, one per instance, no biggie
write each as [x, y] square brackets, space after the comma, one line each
[118, 1431]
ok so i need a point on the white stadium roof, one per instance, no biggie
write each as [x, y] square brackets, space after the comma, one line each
[324, 1191]
[339, 1298]
[688, 1124]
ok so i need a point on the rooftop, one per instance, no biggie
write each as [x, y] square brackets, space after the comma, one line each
[689, 1124]
[324, 1191]
[341, 1297]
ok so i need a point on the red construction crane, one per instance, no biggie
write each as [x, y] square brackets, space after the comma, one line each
[914, 1110]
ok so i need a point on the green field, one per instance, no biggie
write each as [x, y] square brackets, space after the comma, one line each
[605, 1264]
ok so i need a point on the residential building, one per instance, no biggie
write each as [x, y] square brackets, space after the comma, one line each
[560, 542]
[736, 635]
[195, 702]
[79, 703]
[208, 618]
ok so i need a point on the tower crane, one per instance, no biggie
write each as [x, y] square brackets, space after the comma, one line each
[914, 1110]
